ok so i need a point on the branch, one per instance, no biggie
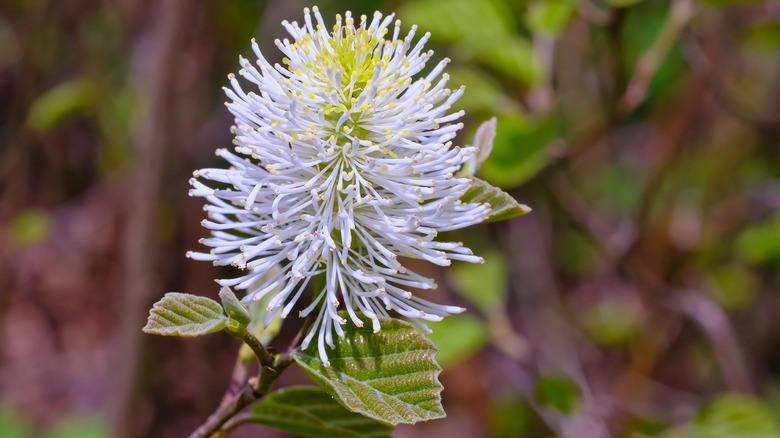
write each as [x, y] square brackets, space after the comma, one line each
[271, 367]
[680, 14]
[242, 399]
[702, 67]
[715, 324]
[253, 391]
[262, 354]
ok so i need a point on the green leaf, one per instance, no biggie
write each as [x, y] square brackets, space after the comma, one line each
[29, 227]
[642, 27]
[502, 205]
[514, 57]
[59, 104]
[549, 17]
[513, 416]
[310, 412]
[611, 323]
[520, 149]
[483, 92]
[623, 3]
[457, 338]
[483, 284]
[80, 427]
[760, 243]
[733, 286]
[734, 415]
[557, 392]
[179, 314]
[13, 425]
[463, 22]
[235, 309]
[390, 376]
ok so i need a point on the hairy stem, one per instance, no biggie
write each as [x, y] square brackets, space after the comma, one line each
[271, 367]
[262, 354]
[253, 391]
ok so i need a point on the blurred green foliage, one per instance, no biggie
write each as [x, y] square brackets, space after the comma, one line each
[733, 286]
[483, 284]
[514, 417]
[731, 415]
[29, 227]
[13, 425]
[80, 427]
[458, 338]
[549, 17]
[61, 103]
[611, 324]
[557, 392]
[760, 243]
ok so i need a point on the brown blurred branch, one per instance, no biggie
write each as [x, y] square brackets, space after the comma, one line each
[716, 326]
[707, 314]
[540, 97]
[547, 330]
[702, 67]
[253, 391]
[680, 13]
[245, 397]
[141, 276]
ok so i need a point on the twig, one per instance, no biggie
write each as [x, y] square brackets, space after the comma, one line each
[708, 315]
[540, 97]
[551, 334]
[680, 14]
[244, 398]
[262, 354]
[253, 391]
[715, 324]
[505, 338]
[702, 67]
[232, 424]
[270, 368]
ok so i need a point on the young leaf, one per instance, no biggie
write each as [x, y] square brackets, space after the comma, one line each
[234, 307]
[310, 412]
[179, 314]
[503, 206]
[390, 376]
[483, 142]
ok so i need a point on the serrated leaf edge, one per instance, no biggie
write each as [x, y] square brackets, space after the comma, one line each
[339, 428]
[481, 188]
[342, 396]
[217, 319]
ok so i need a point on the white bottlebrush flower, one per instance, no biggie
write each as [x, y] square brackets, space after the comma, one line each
[343, 163]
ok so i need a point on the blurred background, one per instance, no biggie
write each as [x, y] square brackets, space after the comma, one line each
[639, 299]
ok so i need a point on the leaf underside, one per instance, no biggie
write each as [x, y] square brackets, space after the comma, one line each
[310, 412]
[390, 376]
[178, 314]
[502, 205]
